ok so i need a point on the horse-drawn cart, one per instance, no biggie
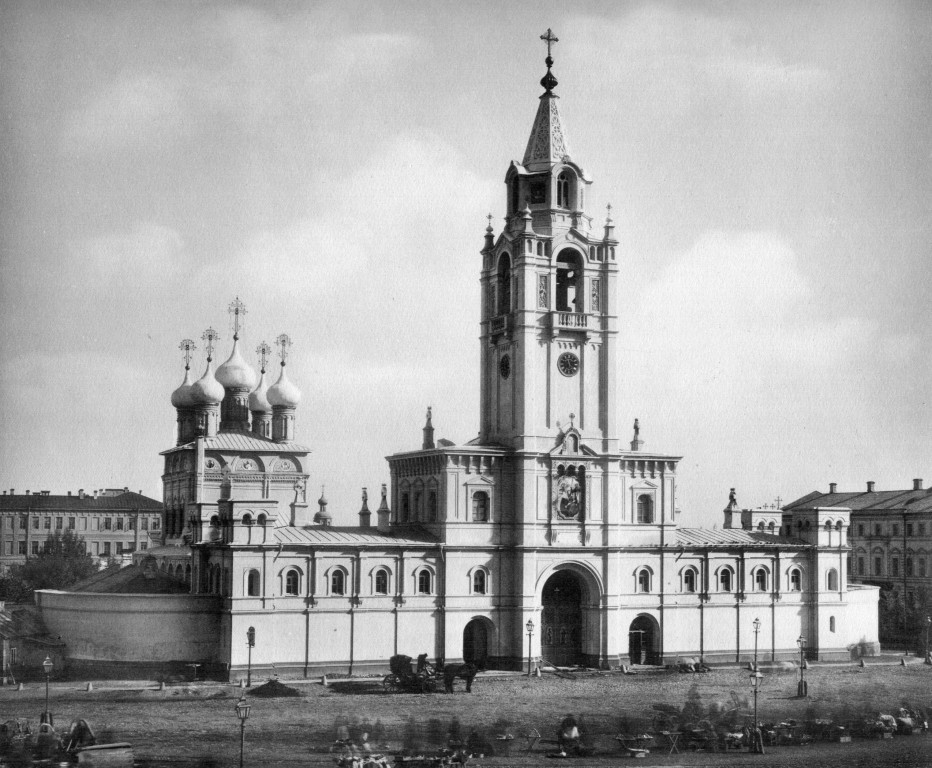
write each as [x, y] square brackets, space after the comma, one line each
[402, 677]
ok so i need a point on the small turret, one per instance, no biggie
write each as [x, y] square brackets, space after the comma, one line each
[428, 432]
[207, 392]
[323, 516]
[383, 512]
[259, 405]
[284, 397]
[182, 398]
[365, 516]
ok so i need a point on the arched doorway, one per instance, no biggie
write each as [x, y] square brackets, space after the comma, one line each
[476, 643]
[644, 640]
[562, 619]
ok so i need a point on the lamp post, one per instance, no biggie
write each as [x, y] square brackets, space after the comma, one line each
[242, 712]
[928, 659]
[250, 642]
[756, 632]
[802, 688]
[757, 740]
[47, 667]
[530, 632]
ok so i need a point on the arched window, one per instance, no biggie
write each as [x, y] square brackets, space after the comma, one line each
[643, 580]
[760, 526]
[540, 248]
[796, 580]
[432, 506]
[381, 582]
[645, 509]
[418, 505]
[292, 581]
[423, 582]
[504, 284]
[831, 623]
[725, 580]
[831, 580]
[771, 527]
[563, 190]
[760, 579]
[337, 582]
[478, 582]
[689, 580]
[909, 565]
[480, 507]
[252, 583]
[569, 284]
[247, 519]
[405, 507]
[262, 519]
[187, 574]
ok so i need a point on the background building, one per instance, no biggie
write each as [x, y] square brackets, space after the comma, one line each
[114, 522]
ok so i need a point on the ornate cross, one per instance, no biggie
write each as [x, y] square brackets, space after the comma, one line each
[210, 337]
[237, 309]
[283, 342]
[550, 39]
[263, 350]
[187, 345]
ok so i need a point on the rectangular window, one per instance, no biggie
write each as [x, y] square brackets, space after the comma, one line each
[132, 524]
[106, 549]
[922, 529]
[860, 566]
[22, 547]
[95, 523]
[108, 524]
[922, 566]
[96, 547]
[896, 530]
[48, 523]
[878, 530]
[35, 547]
[35, 523]
[895, 566]
[9, 547]
[143, 544]
[83, 523]
[156, 523]
[71, 522]
[860, 529]
[22, 522]
[145, 523]
[119, 524]
[878, 566]
[909, 529]
[59, 523]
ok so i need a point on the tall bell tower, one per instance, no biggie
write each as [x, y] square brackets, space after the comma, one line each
[549, 322]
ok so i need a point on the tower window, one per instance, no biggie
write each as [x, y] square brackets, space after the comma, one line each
[569, 285]
[504, 284]
[337, 582]
[405, 507]
[423, 582]
[381, 582]
[645, 509]
[689, 580]
[563, 190]
[644, 580]
[252, 583]
[292, 581]
[760, 579]
[480, 507]
[724, 580]
[796, 581]
[478, 582]
[432, 506]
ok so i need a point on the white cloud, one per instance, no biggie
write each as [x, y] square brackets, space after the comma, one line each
[145, 253]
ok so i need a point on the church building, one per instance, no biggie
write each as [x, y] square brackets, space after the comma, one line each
[549, 527]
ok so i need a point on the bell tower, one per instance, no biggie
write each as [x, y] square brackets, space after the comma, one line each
[549, 322]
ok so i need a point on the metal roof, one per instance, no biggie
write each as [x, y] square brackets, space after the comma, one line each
[876, 500]
[705, 537]
[347, 536]
[237, 440]
[124, 502]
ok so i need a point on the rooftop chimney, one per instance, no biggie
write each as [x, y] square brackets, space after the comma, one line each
[69, 493]
[384, 513]
[80, 493]
[833, 487]
[870, 486]
[917, 483]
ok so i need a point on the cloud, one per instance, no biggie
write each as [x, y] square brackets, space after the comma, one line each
[145, 253]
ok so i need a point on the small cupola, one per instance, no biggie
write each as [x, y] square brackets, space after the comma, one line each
[237, 377]
[207, 392]
[182, 398]
[259, 405]
[428, 432]
[283, 397]
[322, 517]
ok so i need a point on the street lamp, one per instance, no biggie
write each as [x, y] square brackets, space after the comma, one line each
[250, 642]
[242, 712]
[802, 688]
[47, 667]
[928, 624]
[757, 738]
[530, 632]
[756, 632]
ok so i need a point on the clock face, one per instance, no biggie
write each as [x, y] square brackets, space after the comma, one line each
[504, 367]
[568, 364]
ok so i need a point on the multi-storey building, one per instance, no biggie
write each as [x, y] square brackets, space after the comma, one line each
[113, 522]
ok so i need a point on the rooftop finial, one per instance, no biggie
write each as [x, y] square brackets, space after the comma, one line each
[187, 346]
[283, 342]
[489, 228]
[549, 81]
[210, 337]
[263, 350]
[608, 214]
[237, 310]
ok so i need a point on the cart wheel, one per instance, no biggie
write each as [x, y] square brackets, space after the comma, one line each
[391, 683]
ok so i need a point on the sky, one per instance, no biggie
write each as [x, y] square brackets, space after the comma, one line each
[769, 167]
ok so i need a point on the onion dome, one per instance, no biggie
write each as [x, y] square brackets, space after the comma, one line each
[323, 517]
[181, 397]
[259, 399]
[236, 373]
[207, 390]
[283, 393]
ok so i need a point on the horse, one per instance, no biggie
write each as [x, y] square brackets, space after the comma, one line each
[464, 671]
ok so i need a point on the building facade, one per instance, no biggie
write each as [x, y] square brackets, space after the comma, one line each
[548, 524]
[113, 522]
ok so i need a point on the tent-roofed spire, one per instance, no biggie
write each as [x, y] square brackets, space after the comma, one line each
[547, 143]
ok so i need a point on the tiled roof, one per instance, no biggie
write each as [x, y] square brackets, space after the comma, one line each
[348, 536]
[124, 501]
[877, 500]
[132, 579]
[704, 537]
[242, 441]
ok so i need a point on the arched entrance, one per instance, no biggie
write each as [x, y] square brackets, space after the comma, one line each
[644, 640]
[562, 620]
[476, 643]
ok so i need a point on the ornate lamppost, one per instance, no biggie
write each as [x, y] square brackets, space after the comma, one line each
[757, 738]
[250, 642]
[802, 688]
[47, 668]
[530, 633]
[756, 632]
[242, 712]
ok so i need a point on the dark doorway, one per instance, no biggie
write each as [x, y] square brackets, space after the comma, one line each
[476, 643]
[561, 641]
[643, 641]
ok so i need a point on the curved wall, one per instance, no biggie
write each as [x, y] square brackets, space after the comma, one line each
[99, 627]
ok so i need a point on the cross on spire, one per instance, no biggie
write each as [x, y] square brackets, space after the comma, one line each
[210, 337]
[237, 309]
[550, 39]
[283, 342]
[187, 346]
[263, 350]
